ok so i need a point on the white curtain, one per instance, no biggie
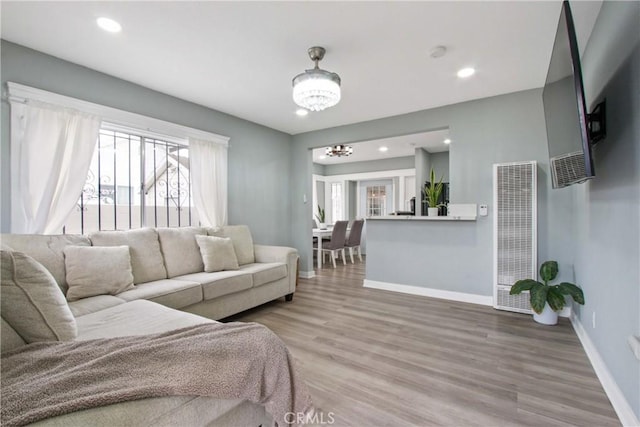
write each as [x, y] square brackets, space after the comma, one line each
[52, 149]
[208, 161]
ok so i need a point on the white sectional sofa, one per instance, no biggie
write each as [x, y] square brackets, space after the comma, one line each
[171, 290]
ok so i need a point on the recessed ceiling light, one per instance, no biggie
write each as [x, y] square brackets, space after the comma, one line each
[322, 157]
[447, 141]
[466, 72]
[109, 25]
[302, 112]
[383, 149]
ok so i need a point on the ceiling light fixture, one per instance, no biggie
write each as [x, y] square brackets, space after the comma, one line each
[466, 72]
[302, 112]
[383, 149]
[316, 89]
[447, 141]
[339, 151]
[109, 25]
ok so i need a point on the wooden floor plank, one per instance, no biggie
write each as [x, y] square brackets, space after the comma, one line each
[380, 358]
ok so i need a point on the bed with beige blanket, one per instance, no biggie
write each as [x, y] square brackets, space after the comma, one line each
[225, 361]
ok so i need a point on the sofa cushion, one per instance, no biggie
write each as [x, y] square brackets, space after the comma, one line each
[220, 283]
[10, 338]
[146, 257]
[31, 301]
[242, 241]
[168, 292]
[217, 253]
[266, 272]
[97, 270]
[180, 251]
[47, 250]
[134, 318]
[93, 304]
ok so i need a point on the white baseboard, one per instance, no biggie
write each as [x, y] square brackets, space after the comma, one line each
[618, 401]
[307, 274]
[430, 292]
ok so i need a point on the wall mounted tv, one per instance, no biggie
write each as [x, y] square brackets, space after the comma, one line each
[571, 132]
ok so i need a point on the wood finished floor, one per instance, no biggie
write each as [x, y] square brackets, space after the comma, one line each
[379, 358]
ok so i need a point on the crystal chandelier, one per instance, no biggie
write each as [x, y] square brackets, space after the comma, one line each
[339, 150]
[316, 89]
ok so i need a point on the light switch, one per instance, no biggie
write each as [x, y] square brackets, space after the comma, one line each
[484, 210]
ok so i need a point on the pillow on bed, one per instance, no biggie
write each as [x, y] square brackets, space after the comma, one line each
[97, 270]
[217, 253]
[32, 302]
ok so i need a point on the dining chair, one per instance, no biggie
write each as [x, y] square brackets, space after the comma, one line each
[336, 244]
[355, 236]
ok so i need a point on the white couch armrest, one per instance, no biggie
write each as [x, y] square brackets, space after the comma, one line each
[264, 253]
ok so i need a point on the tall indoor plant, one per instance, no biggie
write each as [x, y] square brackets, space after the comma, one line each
[547, 300]
[432, 193]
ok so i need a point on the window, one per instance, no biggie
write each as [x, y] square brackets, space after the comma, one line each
[336, 201]
[134, 181]
[376, 200]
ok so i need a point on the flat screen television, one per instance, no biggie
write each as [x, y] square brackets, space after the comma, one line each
[571, 131]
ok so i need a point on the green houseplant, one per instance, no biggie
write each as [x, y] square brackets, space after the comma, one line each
[432, 193]
[320, 217]
[547, 300]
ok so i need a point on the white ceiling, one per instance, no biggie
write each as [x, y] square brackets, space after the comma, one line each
[239, 57]
[398, 146]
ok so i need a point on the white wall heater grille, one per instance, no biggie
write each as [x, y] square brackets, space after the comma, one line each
[514, 232]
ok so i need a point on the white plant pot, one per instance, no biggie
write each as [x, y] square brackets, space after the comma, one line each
[547, 317]
[432, 211]
[322, 225]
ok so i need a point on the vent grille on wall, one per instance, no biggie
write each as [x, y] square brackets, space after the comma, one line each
[568, 169]
[514, 232]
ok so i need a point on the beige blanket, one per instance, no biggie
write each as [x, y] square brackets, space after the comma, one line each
[226, 361]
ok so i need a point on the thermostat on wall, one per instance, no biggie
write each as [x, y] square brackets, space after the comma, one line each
[484, 211]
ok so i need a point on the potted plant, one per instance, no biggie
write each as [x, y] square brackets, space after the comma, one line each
[320, 217]
[546, 300]
[432, 193]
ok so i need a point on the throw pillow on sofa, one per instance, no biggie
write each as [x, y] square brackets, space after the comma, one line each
[31, 301]
[240, 236]
[217, 253]
[97, 270]
[146, 256]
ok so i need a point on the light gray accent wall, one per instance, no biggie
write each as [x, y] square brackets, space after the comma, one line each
[353, 199]
[440, 164]
[504, 128]
[423, 166]
[370, 166]
[318, 169]
[259, 157]
[320, 192]
[607, 208]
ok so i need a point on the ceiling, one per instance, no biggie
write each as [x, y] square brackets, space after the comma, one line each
[397, 146]
[239, 57]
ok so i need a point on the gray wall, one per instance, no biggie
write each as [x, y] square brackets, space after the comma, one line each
[318, 169]
[492, 130]
[259, 157]
[422, 163]
[369, 166]
[607, 212]
[440, 164]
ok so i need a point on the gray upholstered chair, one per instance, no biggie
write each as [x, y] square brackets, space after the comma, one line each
[353, 241]
[336, 244]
